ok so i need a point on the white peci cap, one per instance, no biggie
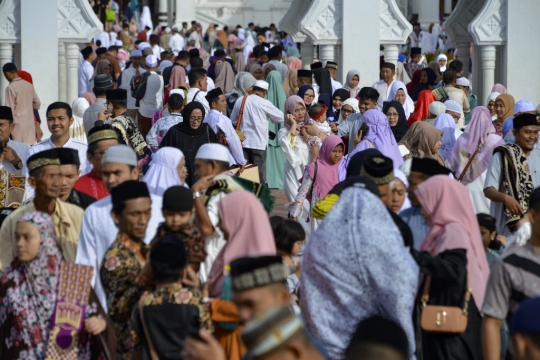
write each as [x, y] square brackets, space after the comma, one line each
[261, 84]
[151, 61]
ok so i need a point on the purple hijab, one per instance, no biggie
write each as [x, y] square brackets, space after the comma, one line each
[479, 130]
[380, 136]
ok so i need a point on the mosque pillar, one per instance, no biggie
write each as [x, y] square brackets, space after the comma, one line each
[6, 54]
[61, 72]
[307, 50]
[391, 53]
[326, 53]
[163, 9]
[489, 56]
[72, 66]
[464, 54]
[447, 6]
[428, 12]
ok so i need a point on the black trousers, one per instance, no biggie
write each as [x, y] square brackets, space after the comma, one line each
[257, 157]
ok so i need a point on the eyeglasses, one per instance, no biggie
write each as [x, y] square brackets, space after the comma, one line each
[196, 119]
[309, 96]
[345, 111]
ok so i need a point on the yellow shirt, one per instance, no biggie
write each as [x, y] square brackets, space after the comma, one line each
[67, 223]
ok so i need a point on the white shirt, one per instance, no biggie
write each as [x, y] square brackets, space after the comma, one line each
[157, 50]
[201, 98]
[217, 121]
[281, 67]
[22, 152]
[153, 96]
[91, 114]
[257, 111]
[86, 71]
[383, 88]
[335, 85]
[176, 43]
[211, 85]
[127, 75]
[98, 232]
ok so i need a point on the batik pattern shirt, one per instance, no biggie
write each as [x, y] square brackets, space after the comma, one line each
[160, 128]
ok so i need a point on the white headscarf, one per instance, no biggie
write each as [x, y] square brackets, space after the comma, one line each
[247, 51]
[445, 123]
[408, 106]
[352, 103]
[242, 34]
[162, 173]
[76, 130]
[401, 176]
[442, 56]
[146, 19]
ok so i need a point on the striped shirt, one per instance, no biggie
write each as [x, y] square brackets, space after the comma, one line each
[514, 277]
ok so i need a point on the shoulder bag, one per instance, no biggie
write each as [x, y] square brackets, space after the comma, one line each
[153, 353]
[437, 319]
[240, 115]
[470, 161]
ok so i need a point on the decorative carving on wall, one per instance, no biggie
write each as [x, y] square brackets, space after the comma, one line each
[322, 23]
[489, 26]
[77, 21]
[290, 22]
[456, 25]
[10, 21]
[394, 28]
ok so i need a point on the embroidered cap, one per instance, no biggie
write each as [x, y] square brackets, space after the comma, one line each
[331, 65]
[379, 168]
[101, 131]
[41, 159]
[251, 272]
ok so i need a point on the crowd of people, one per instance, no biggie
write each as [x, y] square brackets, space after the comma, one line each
[144, 226]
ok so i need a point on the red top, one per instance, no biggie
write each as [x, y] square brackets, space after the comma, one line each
[142, 36]
[92, 186]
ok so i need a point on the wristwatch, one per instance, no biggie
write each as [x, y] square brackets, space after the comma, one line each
[19, 165]
[197, 194]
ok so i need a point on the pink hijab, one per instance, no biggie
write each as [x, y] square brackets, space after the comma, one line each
[294, 63]
[448, 202]
[327, 173]
[290, 105]
[479, 130]
[224, 76]
[178, 77]
[250, 234]
[499, 88]
[91, 98]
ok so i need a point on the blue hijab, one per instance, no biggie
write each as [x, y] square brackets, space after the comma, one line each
[302, 92]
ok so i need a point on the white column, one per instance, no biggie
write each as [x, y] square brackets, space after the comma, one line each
[464, 54]
[489, 55]
[447, 6]
[72, 67]
[326, 53]
[62, 72]
[185, 11]
[428, 12]
[391, 53]
[6, 54]
[162, 12]
[307, 50]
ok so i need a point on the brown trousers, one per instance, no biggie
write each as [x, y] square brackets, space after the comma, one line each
[144, 124]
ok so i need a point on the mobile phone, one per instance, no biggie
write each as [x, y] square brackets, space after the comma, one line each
[364, 129]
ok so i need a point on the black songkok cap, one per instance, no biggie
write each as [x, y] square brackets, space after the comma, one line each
[68, 156]
[331, 65]
[379, 168]
[304, 73]
[251, 272]
[86, 52]
[381, 331]
[177, 199]
[117, 94]
[6, 113]
[219, 53]
[101, 51]
[168, 258]
[103, 82]
[389, 65]
[416, 51]
[128, 190]
[41, 159]
[429, 167]
[194, 53]
[524, 119]
[316, 65]
[214, 93]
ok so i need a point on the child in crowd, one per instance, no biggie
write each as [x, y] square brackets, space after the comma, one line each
[317, 114]
[173, 306]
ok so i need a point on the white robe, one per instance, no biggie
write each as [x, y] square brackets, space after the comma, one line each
[297, 156]
[481, 204]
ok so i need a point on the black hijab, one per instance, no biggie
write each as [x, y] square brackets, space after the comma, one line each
[342, 93]
[425, 86]
[401, 127]
[185, 126]
[323, 79]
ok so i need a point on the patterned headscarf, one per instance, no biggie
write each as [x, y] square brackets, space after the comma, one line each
[31, 296]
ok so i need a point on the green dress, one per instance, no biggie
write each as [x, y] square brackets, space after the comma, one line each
[275, 158]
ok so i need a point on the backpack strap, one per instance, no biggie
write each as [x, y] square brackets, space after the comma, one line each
[241, 113]
[153, 353]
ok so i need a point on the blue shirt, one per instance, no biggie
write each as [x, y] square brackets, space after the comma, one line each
[417, 223]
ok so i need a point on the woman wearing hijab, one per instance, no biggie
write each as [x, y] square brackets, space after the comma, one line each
[352, 83]
[348, 107]
[428, 81]
[339, 96]
[221, 38]
[239, 61]
[307, 94]
[396, 119]
[224, 76]
[398, 92]
[256, 71]
[405, 144]
[323, 81]
[293, 144]
[266, 68]
[248, 233]
[415, 81]
[165, 169]
[76, 130]
[500, 88]
[507, 130]
[447, 125]
[478, 139]
[442, 59]
[379, 136]
[434, 65]
[243, 83]
[294, 63]
[338, 270]
[290, 83]
[452, 260]
[233, 42]
[293, 52]
[30, 295]
[421, 109]
[90, 97]
[399, 200]
[426, 144]
[274, 155]
[491, 104]
[504, 108]
[190, 135]
[103, 66]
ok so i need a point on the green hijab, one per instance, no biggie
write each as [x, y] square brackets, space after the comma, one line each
[276, 95]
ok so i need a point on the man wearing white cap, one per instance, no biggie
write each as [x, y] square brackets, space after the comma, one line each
[176, 43]
[436, 108]
[464, 84]
[153, 96]
[526, 107]
[256, 110]
[134, 70]
[98, 230]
